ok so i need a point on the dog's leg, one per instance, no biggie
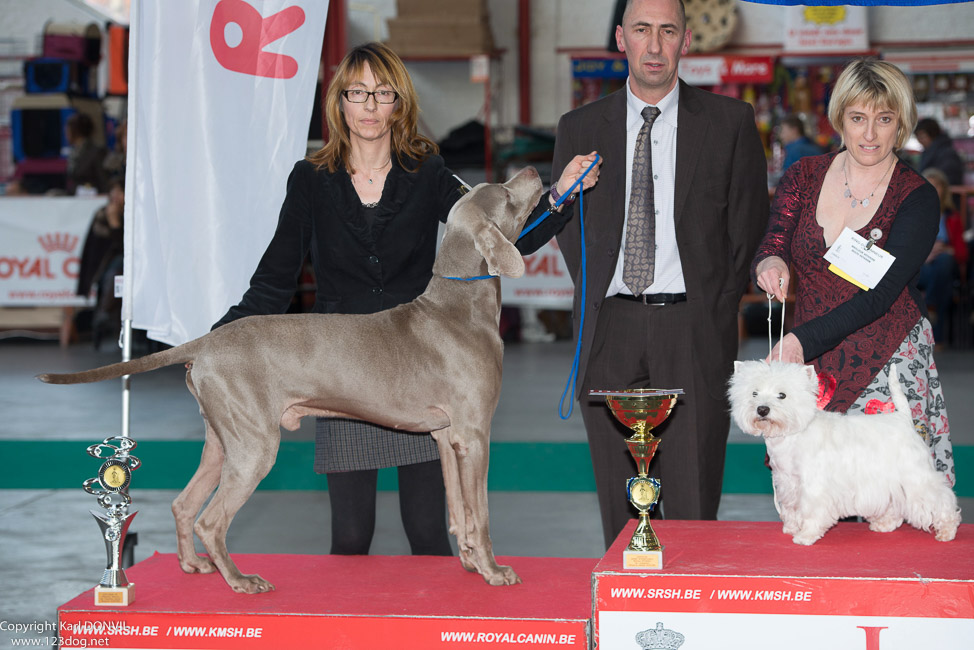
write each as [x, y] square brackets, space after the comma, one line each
[931, 505]
[246, 464]
[477, 549]
[454, 498]
[187, 505]
[813, 522]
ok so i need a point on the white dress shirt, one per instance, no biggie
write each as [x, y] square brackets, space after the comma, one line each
[668, 276]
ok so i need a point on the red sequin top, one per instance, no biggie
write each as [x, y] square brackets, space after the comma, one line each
[845, 331]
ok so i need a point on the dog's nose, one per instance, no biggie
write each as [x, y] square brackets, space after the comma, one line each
[763, 411]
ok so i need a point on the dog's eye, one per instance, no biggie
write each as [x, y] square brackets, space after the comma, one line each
[781, 395]
[754, 394]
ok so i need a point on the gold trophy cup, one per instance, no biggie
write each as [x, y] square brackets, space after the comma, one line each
[642, 410]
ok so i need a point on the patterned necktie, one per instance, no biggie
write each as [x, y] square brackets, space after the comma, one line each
[639, 259]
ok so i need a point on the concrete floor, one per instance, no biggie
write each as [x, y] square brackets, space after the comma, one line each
[51, 549]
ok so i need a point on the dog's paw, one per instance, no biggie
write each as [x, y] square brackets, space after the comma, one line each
[250, 584]
[790, 528]
[806, 539]
[945, 533]
[196, 564]
[503, 576]
[885, 524]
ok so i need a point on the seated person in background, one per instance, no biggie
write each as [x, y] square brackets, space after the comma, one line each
[86, 159]
[797, 144]
[948, 254]
[938, 151]
[101, 261]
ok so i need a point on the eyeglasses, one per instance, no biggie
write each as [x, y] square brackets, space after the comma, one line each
[357, 96]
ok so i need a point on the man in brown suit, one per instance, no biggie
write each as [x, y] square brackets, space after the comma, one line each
[711, 208]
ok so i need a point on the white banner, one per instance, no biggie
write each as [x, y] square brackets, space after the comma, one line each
[40, 249]
[221, 94]
[546, 282]
[818, 30]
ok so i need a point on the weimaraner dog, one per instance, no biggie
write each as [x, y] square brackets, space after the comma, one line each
[433, 364]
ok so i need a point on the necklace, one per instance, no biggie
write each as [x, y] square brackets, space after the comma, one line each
[380, 167]
[848, 193]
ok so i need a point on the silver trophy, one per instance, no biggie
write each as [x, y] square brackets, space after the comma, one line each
[111, 487]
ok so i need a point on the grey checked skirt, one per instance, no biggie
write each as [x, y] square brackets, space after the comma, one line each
[345, 445]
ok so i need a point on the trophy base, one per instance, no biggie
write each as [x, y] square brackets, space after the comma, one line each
[642, 559]
[115, 596]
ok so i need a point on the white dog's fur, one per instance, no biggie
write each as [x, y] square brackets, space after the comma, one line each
[826, 466]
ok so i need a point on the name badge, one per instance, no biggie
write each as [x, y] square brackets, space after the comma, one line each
[858, 260]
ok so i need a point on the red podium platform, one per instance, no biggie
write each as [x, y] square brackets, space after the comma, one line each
[343, 602]
[747, 585]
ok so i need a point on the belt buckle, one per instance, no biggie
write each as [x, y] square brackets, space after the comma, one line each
[651, 304]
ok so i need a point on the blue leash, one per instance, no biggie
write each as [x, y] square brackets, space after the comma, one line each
[534, 224]
[573, 377]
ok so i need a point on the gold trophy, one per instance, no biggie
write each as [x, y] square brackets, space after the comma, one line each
[642, 410]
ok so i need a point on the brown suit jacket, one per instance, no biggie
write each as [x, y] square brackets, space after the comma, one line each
[721, 211]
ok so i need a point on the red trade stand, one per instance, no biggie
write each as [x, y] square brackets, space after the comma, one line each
[747, 585]
[329, 601]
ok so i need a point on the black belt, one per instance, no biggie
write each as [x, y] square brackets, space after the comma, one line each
[654, 298]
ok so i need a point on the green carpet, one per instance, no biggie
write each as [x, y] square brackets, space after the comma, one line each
[514, 466]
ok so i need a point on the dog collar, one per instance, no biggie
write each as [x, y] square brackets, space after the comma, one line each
[476, 277]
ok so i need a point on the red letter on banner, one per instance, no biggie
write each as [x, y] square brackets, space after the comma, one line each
[248, 56]
[872, 636]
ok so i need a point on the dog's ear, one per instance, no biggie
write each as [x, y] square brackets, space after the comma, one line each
[812, 375]
[502, 256]
[737, 366]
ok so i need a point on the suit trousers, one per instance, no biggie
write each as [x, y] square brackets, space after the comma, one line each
[649, 346]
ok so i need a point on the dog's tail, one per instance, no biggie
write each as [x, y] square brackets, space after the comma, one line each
[896, 393]
[180, 354]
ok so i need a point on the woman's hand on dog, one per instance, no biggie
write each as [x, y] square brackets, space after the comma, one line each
[789, 349]
[773, 277]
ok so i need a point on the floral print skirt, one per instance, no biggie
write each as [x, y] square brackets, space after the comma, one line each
[921, 384]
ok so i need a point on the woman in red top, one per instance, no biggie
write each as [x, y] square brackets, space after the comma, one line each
[854, 335]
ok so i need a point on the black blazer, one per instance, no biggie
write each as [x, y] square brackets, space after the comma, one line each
[358, 270]
[720, 210]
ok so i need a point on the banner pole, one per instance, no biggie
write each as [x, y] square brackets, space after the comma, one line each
[126, 379]
[131, 183]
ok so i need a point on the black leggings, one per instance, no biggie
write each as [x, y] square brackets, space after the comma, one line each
[422, 504]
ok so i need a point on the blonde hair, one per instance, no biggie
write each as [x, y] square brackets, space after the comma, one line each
[878, 85]
[939, 180]
[388, 69]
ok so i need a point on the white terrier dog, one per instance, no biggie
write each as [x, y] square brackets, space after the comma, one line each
[826, 466]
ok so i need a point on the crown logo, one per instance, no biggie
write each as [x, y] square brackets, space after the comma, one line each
[58, 241]
[659, 639]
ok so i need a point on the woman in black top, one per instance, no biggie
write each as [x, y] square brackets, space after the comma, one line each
[367, 207]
